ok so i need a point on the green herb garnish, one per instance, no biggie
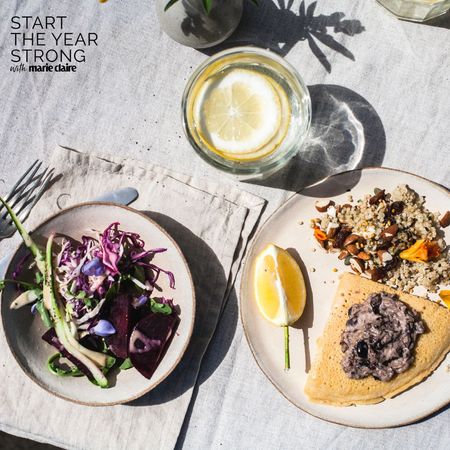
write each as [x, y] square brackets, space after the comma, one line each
[160, 308]
[127, 364]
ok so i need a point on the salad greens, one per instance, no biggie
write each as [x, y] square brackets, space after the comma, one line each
[96, 299]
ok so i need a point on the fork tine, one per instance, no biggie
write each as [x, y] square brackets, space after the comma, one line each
[47, 180]
[30, 169]
[21, 178]
[19, 187]
[22, 201]
[24, 192]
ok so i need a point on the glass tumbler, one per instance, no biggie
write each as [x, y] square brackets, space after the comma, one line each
[268, 78]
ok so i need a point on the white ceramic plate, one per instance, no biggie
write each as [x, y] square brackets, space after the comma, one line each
[23, 331]
[266, 341]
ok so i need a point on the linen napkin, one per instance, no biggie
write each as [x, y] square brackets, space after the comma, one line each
[211, 224]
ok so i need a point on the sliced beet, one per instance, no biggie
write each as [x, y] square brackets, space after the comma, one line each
[149, 341]
[118, 313]
[50, 337]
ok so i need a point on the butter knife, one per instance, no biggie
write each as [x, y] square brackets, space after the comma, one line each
[123, 196]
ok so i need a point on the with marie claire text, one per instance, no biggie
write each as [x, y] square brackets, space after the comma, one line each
[42, 44]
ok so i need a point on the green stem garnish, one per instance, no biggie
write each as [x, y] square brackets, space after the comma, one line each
[45, 317]
[126, 364]
[55, 368]
[34, 249]
[287, 360]
[19, 283]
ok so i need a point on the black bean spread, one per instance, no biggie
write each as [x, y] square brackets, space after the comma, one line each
[379, 337]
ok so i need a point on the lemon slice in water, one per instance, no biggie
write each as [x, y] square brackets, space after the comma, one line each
[241, 114]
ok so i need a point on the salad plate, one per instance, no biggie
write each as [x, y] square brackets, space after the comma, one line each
[290, 228]
[24, 330]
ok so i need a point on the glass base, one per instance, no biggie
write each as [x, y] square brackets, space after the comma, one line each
[416, 10]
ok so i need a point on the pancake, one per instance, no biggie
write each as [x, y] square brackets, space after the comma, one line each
[327, 382]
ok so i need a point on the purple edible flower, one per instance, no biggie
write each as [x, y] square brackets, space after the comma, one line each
[94, 267]
[33, 308]
[140, 301]
[103, 328]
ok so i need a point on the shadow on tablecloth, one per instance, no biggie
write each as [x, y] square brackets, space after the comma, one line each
[10, 442]
[440, 22]
[346, 133]
[279, 26]
[207, 272]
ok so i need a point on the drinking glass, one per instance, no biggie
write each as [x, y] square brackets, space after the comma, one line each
[273, 68]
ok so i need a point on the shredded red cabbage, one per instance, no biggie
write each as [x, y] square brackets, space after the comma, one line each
[88, 270]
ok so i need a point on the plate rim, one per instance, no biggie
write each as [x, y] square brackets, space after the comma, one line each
[243, 321]
[193, 300]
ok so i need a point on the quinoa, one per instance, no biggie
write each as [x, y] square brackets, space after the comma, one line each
[382, 226]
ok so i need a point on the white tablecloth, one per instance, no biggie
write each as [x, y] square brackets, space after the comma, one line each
[379, 89]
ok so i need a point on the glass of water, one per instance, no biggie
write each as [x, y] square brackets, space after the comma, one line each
[246, 111]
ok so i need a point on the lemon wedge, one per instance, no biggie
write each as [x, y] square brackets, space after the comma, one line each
[280, 290]
[241, 113]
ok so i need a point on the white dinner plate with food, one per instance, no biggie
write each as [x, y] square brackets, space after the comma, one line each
[421, 379]
[125, 299]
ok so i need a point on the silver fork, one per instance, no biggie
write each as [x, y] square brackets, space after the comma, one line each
[24, 195]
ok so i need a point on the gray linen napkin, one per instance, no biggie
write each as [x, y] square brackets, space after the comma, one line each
[212, 225]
